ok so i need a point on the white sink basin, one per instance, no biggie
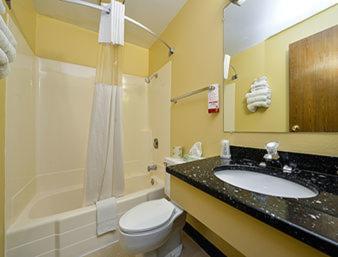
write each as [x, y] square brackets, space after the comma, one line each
[264, 184]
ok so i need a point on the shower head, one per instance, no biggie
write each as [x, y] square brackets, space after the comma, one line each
[237, 2]
[149, 79]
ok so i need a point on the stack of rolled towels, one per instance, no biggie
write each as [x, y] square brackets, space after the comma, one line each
[260, 94]
[7, 45]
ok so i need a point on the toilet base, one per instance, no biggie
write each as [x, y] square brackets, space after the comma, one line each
[174, 253]
[173, 246]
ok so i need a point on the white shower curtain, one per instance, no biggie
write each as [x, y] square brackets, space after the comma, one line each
[104, 175]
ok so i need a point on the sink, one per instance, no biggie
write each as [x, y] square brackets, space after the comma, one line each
[264, 184]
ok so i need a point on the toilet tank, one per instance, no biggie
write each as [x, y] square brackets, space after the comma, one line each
[169, 161]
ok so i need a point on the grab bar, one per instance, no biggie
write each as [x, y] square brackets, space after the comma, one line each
[176, 99]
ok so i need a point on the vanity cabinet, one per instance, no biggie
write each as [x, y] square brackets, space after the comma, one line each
[246, 234]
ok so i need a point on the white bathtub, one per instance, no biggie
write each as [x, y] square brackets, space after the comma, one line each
[54, 224]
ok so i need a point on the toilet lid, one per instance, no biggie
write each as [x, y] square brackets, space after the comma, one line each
[147, 216]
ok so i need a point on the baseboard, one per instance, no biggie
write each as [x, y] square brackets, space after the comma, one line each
[204, 243]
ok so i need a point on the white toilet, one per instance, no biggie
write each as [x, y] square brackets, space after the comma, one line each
[153, 229]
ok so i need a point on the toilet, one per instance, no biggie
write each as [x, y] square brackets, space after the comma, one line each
[153, 228]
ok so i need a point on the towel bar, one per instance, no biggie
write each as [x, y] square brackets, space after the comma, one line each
[175, 99]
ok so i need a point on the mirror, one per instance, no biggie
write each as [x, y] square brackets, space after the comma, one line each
[281, 66]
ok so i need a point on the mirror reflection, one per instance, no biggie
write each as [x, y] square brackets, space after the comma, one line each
[281, 66]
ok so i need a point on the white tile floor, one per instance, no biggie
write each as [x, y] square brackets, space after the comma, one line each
[190, 249]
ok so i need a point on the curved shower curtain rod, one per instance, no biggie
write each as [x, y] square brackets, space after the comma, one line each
[138, 24]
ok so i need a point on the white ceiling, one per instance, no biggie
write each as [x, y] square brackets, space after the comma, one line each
[155, 14]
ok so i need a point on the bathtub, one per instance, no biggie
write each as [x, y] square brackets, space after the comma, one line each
[55, 223]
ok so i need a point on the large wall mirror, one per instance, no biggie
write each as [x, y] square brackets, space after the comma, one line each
[281, 66]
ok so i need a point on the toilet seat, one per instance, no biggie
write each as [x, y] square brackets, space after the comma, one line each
[147, 216]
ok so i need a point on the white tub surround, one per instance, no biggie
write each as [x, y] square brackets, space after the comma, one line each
[50, 226]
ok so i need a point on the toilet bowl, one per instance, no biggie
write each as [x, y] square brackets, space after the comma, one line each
[153, 229]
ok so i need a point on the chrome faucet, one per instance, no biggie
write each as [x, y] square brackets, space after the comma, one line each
[287, 169]
[272, 149]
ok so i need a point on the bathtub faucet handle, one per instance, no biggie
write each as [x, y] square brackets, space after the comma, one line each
[152, 167]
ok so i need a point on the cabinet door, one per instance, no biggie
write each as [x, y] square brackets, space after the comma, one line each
[313, 69]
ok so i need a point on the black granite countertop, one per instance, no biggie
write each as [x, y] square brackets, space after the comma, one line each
[311, 220]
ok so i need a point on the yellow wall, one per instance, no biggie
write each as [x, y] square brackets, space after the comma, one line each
[53, 39]
[25, 15]
[270, 58]
[197, 34]
[2, 165]
[65, 42]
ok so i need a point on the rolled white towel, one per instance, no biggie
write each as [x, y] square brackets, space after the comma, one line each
[264, 92]
[4, 65]
[261, 79]
[3, 57]
[258, 98]
[4, 71]
[258, 84]
[258, 87]
[2, 7]
[253, 106]
[7, 32]
[7, 47]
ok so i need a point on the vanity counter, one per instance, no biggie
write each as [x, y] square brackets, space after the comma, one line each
[310, 220]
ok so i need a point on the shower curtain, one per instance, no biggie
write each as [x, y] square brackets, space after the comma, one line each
[104, 175]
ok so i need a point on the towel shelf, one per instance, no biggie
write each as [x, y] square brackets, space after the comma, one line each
[176, 99]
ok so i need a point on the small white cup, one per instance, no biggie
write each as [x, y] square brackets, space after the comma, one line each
[225, 149]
